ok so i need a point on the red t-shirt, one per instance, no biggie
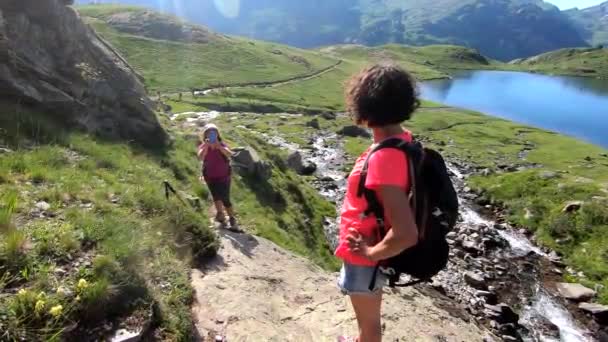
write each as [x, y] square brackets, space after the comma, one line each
[388, 166]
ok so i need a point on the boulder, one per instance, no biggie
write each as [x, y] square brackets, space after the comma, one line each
[54, 63]
[354, 131]
[471, 247]
[548, 175]
[572, 206]
[475, 281]
[575, 292]
[247, 162]
[314, 123]
[43, 206]
[599, 311]
[124, 335]
[502, 313]
[451, 235]
[328, 116]
[309, 169]
[490, 297]
[295, 162]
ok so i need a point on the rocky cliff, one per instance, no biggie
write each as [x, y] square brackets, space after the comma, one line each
[52, 62]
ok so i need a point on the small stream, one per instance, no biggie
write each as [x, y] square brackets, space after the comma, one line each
[537, 304]
[543, 305]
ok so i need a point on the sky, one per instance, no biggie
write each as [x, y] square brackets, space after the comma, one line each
[567, 4]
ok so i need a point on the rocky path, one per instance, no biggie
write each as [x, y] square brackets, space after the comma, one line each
[256, 291]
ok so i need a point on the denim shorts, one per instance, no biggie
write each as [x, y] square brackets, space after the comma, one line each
[356, 279]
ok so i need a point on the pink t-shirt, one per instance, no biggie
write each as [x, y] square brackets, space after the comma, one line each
[388, 166]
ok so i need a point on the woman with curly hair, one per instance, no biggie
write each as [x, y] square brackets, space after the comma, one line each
[381, 98]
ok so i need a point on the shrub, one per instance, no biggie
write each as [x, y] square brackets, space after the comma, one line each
[33, 315]
[150, 198]
[202, 240]
[105, 266]
[7, 208]
[13, 256]
[201, 191]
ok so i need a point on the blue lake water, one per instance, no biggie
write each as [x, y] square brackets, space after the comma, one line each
[574, 106]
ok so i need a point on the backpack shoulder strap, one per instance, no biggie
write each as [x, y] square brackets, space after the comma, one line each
[413, 151]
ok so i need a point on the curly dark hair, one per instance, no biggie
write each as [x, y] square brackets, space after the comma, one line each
[381, 95]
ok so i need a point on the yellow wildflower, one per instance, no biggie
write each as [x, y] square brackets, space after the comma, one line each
[56, 311]
[82, 284]
[22, 292]
[40, 304]
[41, 296]
[78, 298]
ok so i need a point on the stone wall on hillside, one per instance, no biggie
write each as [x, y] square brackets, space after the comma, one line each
[51, 61]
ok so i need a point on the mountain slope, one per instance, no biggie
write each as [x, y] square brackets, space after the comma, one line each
[592, 23]
[173, 55]
[502, 29]
[579, 62]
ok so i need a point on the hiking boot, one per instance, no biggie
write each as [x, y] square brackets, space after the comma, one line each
[220, 218]
[233, 222]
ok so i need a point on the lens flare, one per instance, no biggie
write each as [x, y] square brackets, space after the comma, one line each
[228, 8]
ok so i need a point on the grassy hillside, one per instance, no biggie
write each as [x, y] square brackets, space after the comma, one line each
[87, 238]
[86, 234]
[418, 59]
[326, 91]
[177, 65]
[592, 62]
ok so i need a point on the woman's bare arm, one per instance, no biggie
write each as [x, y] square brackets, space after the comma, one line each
[202, 152]
[225, 150]
[403, 234]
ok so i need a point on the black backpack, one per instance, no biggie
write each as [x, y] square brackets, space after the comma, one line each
[435, 204]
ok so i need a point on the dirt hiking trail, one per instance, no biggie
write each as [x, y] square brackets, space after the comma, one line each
[256, 291]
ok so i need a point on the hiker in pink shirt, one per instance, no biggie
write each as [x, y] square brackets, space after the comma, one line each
[216, 172]
[381, 97]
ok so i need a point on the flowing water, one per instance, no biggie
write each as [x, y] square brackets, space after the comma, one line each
[543, 304]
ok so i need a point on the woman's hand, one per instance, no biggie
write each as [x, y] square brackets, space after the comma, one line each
[358, 244]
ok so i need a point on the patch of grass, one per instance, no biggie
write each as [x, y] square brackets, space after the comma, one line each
[105, 202]
[7, 209]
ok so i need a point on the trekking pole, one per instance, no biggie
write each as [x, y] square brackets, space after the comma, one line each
[169, 189]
